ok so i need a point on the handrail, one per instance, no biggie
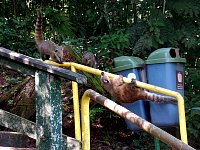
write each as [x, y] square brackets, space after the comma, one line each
[125, 113]
[24, 64]
[47, 96]
[76, 107]
[39, 65]
[181, 106]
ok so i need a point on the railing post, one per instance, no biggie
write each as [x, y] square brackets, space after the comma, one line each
[48, 112]
[76, 107]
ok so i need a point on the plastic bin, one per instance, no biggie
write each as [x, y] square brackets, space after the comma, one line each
[165, 68]
[131, 67]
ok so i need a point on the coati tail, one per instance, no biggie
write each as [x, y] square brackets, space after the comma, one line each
[47, 48]
[159, 98]
[38, 28]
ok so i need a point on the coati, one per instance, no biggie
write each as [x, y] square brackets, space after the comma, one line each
[47, 48]
[128, 92]
[88, 59]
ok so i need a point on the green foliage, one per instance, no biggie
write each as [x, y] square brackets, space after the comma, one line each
[13, 35]
[138, 142]
[185, 7]
[17, 33]
[10, 103]
[148, 35]
[192, 100]
[94, 18]
[109, 45]
[96, 112]
[105, 47]
[12, 80]
[195, 111]
[57, 24]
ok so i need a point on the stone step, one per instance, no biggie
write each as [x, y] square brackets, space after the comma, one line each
[14, 148]
[17, 140]
[20, 141]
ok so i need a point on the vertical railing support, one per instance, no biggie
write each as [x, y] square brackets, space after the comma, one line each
[48, 112]
[157, 143]
[76, 107]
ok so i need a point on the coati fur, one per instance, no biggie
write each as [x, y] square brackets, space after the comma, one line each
[89, 59]
[129, 93]
[48, 49]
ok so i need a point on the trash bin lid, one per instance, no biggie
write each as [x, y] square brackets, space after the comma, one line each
[165, 55]
[127, 62]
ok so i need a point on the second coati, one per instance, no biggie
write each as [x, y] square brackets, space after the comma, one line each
[128, 92]
[88, 59]
[48, 49]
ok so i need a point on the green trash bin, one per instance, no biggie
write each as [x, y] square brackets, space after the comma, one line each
[132, 67]
[165, 68]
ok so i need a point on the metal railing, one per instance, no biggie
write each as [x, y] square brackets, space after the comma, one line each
[178, 96]
[125, 113]
[9, 59]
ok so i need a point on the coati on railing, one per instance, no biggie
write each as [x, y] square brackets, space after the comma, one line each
[128, 92]
[89, 59]
[48, 49]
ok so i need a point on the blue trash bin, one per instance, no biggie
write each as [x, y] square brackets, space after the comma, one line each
[132, 67]
[165, 68]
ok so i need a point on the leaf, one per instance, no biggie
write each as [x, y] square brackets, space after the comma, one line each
[185, 7]
[195, 111]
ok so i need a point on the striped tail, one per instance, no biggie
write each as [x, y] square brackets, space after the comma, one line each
[38, 28]
[159, 98]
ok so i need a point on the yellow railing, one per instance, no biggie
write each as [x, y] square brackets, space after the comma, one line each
[76, 107]
[181, 107]
[126, 114]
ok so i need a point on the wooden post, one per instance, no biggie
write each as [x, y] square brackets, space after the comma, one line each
[48, 112]
[48, 128]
